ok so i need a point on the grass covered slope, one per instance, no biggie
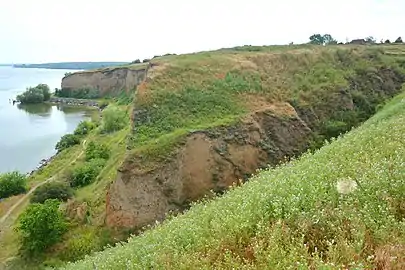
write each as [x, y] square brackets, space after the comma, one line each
[342, 206]
[332, 88]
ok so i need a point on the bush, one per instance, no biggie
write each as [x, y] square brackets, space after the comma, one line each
[124, 98]
[84, 128]
[145, 60]
[11, 184]
[41, 225]
[137, 61]
[86, 174]
[58, 191]
[114, 119]
[97, 151]
[67, 141]
[83, 93]
[37, 94]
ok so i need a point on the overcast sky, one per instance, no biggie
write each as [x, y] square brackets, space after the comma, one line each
[124, 30]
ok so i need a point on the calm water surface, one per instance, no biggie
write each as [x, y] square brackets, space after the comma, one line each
[29, 133]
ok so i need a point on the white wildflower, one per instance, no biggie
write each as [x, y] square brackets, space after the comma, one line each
[346, 186]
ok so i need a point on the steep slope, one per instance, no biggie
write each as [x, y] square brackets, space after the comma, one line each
[108, 81]
[206, 121]
[341, 207]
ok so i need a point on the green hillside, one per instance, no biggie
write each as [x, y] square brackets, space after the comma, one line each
[276, 101]
[341, 207]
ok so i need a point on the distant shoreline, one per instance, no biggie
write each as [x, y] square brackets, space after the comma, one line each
[70, 65]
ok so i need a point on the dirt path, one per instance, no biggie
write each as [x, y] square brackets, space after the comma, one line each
[25, 197]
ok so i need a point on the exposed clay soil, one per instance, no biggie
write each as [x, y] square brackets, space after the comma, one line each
[210, 160]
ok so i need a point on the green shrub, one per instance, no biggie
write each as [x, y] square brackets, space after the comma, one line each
[114, 119]
[84, 242]
[97, 151]
[124, 98]
[37, 94]
[40, 226]
[67, 141]
[334, 128]
[55, 190]
[11, 184]
[83, 93]
[85, 174]
[84, 128]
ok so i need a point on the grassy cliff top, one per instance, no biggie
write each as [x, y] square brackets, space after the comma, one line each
[191, 92]
[339, 207]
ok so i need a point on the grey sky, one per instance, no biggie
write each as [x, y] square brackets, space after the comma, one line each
[123, 30]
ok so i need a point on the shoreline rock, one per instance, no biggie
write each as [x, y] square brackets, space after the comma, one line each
[74, 102]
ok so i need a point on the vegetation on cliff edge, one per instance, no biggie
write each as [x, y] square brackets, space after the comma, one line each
[341, 207]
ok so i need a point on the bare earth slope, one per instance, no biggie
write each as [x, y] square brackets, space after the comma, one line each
[204, 122]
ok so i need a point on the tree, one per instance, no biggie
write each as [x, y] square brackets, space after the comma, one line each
[37, 94]
[114, 119]
[55, 190]
[398, 40]
[387, 41]
[67, 141]
[370, 39]
[317, 39]
[329, 40]
[137, 61]
[41, 226]
[11, 184]
[45, 91]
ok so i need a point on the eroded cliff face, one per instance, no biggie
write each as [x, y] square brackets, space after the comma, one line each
[207, 160]
[108, 81]
[218, 158]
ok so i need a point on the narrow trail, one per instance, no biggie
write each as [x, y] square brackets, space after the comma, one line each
[25, 197]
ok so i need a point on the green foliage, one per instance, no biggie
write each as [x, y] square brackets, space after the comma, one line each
[97, 151]
[103, 104]
[53, 190]
[84, 243]
[123, 98]
[83, 93]
[398, 40]
[114, 119]
[319, 39]
[67, 141]
[37, 94]
[41, 226]
[332, 209]
[84, 128]
[370, 39]
[137, 61]
[193, 107]
[12, 183]
[86, 173]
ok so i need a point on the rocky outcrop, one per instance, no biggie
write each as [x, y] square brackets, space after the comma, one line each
[210, 160]
[107, 81]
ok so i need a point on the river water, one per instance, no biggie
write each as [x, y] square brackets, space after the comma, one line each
[29, 133]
